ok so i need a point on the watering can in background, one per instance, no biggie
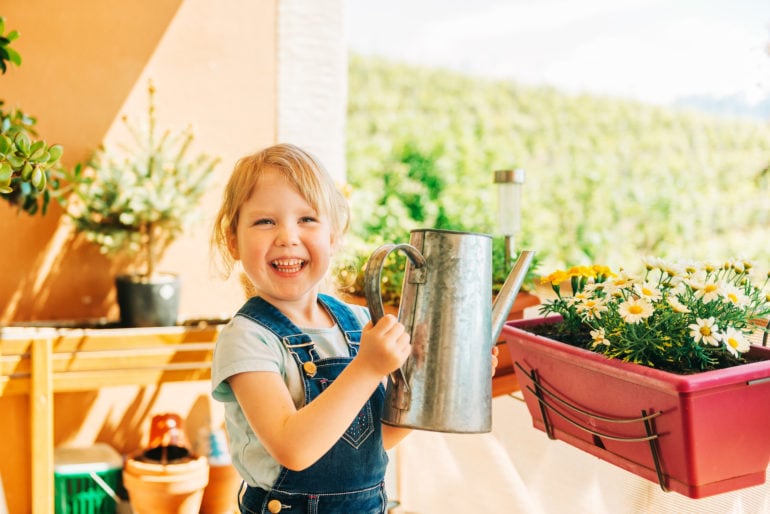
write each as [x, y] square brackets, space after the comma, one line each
[446, 306]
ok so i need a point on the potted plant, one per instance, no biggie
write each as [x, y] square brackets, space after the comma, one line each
[135, 201]
[655, 372]
[26, 164]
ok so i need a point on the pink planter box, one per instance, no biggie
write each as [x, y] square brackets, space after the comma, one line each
[698, 435]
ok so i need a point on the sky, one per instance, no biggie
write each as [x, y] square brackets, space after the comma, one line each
[656, 51]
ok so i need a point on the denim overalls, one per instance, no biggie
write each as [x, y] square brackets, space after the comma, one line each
[349, 478]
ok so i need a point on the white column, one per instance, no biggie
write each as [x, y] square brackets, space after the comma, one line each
[312, 79]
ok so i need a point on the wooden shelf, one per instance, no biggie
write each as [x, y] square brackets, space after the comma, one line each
[41, 361]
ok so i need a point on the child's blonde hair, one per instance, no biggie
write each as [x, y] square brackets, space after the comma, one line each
[301, 170]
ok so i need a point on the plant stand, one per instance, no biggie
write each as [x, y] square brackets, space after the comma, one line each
[698, 435]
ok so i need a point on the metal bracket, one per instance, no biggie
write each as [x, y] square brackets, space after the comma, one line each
[548, 400]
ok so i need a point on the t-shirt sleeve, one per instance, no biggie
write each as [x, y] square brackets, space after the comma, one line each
[242, 346]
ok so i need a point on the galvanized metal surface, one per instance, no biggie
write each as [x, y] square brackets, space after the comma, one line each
[446, 305]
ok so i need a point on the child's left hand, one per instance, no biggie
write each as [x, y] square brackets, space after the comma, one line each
[495, 352]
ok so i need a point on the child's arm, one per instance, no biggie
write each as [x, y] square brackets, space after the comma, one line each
[298, 438]
[391, 435]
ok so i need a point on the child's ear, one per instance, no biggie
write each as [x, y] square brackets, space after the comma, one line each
[232, 245]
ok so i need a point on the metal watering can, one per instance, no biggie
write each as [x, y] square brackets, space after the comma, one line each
[446, 305]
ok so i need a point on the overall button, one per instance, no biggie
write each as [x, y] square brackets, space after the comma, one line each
[274, 506]
[310, 369]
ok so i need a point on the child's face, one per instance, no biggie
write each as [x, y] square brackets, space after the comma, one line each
[283, 244]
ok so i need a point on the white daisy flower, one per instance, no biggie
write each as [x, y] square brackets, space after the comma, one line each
[648, 291]
[635, 310]
[705, 331]
[735, 341]
[733, 294]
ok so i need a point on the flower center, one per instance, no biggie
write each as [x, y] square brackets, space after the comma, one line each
[710, 288]
[732, 342]
[635, 309]
[706, 331]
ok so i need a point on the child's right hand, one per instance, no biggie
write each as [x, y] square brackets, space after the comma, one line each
[385, 346]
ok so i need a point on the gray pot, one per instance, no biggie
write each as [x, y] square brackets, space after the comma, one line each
[148, 302]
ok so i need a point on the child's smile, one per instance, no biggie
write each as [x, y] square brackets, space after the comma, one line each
[288, 266]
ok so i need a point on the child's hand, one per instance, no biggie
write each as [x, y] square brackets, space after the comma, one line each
[495, 352]
[384, 346]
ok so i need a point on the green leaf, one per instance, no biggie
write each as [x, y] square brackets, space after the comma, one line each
[13, 56]
[22, 142]
[36, 147]
[26, 171]
[15, 161]
[38, 178]
[55, 153]
[5, 144]
[5, 174]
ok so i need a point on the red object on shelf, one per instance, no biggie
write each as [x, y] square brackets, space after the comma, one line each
[699, 435]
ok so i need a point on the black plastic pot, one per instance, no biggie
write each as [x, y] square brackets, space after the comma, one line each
[148, 302]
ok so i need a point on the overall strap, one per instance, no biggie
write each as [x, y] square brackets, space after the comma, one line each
[299, 344]
[345, 319]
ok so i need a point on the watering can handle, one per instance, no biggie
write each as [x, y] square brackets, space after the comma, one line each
[372, 280]
[373, 275]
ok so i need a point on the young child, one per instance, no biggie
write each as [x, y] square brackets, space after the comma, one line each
[300, 373]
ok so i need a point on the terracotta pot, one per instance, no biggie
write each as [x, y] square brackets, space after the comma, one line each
[166, 489]
[699, 435]
[220, 496]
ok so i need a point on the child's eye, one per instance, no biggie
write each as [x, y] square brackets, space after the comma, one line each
[308, 219]
[263, 221]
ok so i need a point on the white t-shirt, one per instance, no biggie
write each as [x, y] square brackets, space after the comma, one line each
[244, 345]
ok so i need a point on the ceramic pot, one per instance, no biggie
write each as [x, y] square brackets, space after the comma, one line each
[148, 302]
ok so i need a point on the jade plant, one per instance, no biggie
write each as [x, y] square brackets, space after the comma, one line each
[28, 166]
[135, 201]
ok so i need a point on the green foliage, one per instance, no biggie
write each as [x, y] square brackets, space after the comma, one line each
[7, 54]
[28, 167]
[138, 200]
[607, 179]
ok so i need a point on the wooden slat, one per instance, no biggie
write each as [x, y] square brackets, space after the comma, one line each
[85, 359]
[89, 380]
[41, 408]
[14, 385]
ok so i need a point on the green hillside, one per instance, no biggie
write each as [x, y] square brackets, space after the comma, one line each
[608, 180]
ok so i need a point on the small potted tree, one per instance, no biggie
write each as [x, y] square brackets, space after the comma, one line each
[134, 202]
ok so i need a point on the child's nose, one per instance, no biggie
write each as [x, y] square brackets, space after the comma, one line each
[287, 236]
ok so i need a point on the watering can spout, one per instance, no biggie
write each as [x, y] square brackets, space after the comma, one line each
[507, 295]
